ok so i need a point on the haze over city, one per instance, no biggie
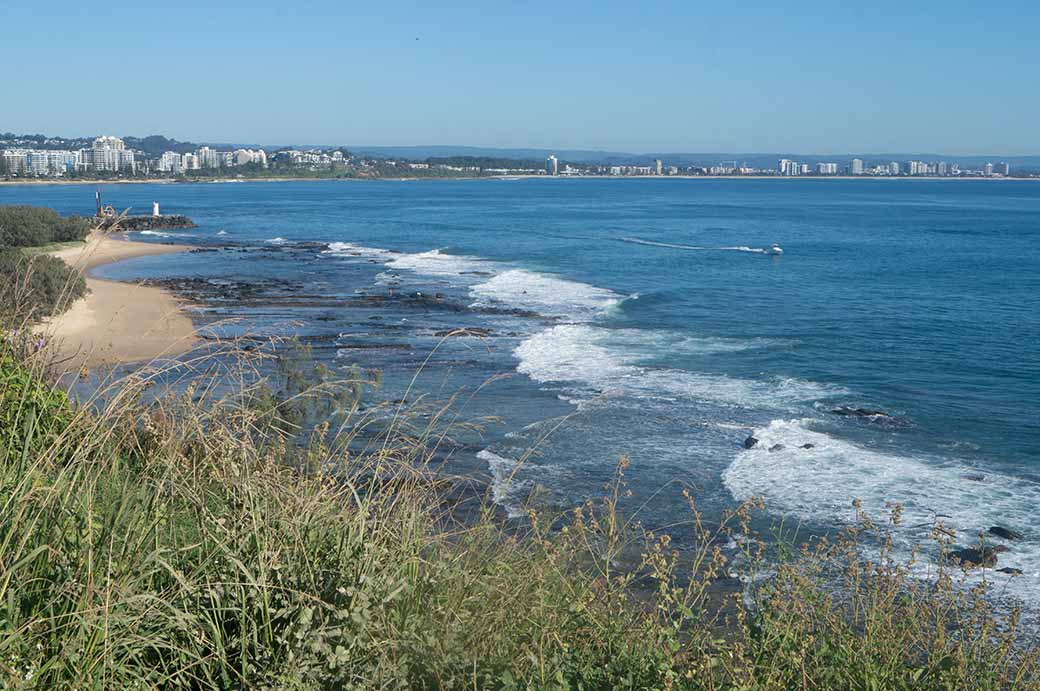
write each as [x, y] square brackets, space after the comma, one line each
[818, 78]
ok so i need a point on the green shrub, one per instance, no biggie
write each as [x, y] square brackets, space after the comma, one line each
[31, 226]
[36, 286]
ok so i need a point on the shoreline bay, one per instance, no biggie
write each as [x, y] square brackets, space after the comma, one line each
[117, 322]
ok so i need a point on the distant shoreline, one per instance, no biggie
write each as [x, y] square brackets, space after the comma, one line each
[205, 181]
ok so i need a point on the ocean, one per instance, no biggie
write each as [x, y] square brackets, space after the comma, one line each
[643, 317]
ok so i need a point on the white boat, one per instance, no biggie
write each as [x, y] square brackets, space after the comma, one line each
[775, 249]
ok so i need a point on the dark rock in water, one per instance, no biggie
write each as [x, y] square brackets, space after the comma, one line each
[972, 557]
[808, 446]
[868, 415]
[464, 331]
[373, 346]
[1011, 571]
[1006, 533]
[975, 477]
[776, 447]
[750, 442]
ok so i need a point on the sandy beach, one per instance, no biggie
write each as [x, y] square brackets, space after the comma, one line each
[118, 322]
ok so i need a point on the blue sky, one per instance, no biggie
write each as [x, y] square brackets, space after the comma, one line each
[810, 77]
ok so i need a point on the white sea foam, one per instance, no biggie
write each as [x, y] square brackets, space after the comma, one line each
[161, 234]
[511, 287]
[502, 480]
[511, 482]
[437, 263]
[820, 484]
[545, 294]
[599, 359]
[276, 241]
[349, 249]
[671, 245]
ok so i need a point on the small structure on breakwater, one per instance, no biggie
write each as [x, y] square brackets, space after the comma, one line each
[108, 220]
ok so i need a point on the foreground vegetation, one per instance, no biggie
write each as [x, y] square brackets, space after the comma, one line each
[32, 284]
[187, 541]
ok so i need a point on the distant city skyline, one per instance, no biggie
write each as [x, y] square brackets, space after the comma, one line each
[670, 76]
[109, 156]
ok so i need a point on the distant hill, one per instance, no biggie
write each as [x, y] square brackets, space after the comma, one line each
[156, 144]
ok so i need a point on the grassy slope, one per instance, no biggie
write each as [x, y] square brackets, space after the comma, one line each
[52, 247]
[183, 544]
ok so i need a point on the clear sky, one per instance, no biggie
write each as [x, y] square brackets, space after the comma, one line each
[810, 77]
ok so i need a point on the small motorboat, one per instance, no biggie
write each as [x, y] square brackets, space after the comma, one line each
[775, 249]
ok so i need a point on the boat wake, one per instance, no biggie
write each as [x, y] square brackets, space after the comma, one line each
[695, 248]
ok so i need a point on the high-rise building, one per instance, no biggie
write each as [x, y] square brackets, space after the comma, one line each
[241, 157]
[893, 168]
[987, 170]
[16, 161]
[940, 168]
[552, 165]
[856, 167]
[208, 158]
[171, 162]
[1004, 168]
[109, 154]
[659, 166]
[39, 162]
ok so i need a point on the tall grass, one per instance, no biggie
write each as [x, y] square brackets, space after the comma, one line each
[198, 540]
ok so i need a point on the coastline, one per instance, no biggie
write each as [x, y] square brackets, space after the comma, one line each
[224, 181]
[117, 322]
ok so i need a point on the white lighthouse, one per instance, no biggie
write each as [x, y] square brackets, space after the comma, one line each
[155, 208]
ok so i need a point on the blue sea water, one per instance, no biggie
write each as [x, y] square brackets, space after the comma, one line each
[642, 317]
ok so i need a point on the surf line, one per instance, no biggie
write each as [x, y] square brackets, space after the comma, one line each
[638, 241]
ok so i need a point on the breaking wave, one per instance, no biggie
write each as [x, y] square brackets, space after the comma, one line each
[608, 361]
